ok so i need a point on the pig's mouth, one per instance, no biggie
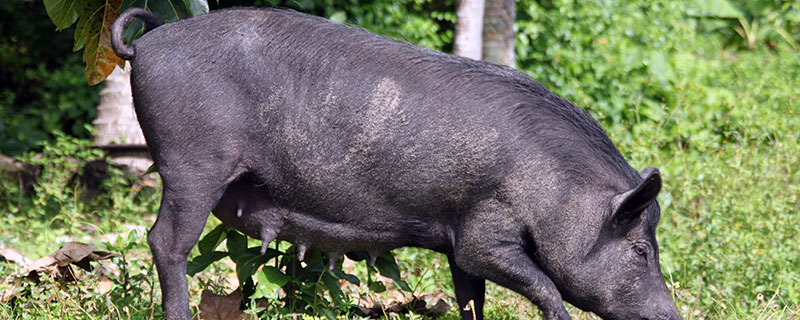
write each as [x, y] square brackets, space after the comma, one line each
[657, 315]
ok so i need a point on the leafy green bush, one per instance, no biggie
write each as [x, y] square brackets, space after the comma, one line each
[42, 89]
[122, 290]
[609, 57]
[424, 22]
[309, 287]
[65, 201]
[749, 23]
[134, 290]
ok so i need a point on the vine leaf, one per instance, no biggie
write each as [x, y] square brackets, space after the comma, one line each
[63, 13]
[93, 33]
[212, 239]
[269, 279]
[93, 30]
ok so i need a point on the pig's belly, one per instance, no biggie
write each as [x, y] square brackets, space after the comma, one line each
[247, 210]
[313, 232]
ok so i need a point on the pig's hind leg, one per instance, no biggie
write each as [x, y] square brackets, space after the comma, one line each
[190, 192]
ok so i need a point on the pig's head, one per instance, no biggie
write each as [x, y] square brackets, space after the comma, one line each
[619, 277]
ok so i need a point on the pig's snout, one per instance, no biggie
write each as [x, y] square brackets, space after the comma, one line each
[664, 308]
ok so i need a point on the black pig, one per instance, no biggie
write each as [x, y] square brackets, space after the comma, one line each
[292, 127]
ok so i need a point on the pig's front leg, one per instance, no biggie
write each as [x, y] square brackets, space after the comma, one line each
[488, 246]
[511, 268]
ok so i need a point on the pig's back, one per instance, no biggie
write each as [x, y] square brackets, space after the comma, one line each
[336, 115]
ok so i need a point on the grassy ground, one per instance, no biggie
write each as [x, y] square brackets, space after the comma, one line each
[726, 138]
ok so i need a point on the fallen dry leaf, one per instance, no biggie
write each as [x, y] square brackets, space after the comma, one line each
[56, 264]
[43, 264]
[80, 254]
[220, 307]
[428, 304]
[13, 255]
[436, 304]
[223, 307]
[439, 309]
[104, 284]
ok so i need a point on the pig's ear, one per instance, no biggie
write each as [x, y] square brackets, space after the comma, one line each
[629, 205]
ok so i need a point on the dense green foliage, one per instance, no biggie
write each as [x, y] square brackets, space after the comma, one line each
[425, 22]
[307, 287]
[705, 90]
[76, 193]
[42, 89]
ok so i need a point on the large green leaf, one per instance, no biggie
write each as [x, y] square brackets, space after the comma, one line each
[95, 17]
[196, 7]
[357, 255]
[388, 268]
[248, 261]
[202, 261]
[713, 8]
[376, 286]
[269, 279]
[211, 240]
[93, 33]
[171, 10]
[658, 65]
[333, 285]
[64, 13]
[237, 243]
[346, 276]
[151, 169]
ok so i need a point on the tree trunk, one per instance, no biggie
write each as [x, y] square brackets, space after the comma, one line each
[498, 31]
[116, 128]
[469, 29]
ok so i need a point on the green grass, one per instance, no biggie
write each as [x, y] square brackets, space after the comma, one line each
[730, 209]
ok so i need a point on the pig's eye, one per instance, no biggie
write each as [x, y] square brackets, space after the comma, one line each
[640, 249]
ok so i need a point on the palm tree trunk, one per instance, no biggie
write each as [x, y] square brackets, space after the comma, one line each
[116, 128]
[498, 31]
[469, 29]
